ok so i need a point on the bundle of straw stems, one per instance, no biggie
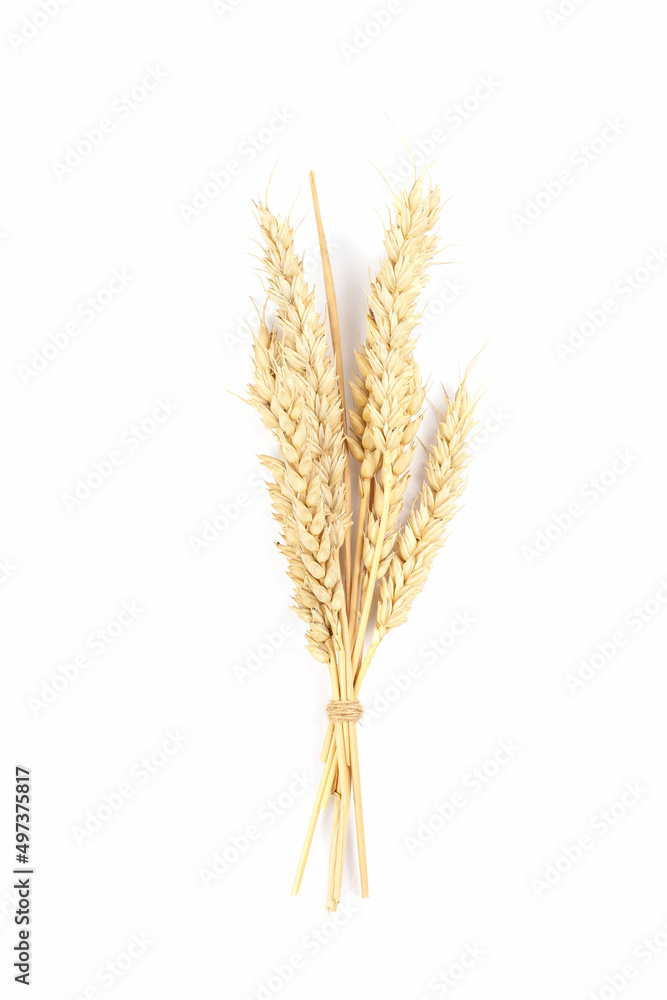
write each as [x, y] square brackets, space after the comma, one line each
[298, 389]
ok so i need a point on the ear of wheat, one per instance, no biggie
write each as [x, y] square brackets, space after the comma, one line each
[296, 387]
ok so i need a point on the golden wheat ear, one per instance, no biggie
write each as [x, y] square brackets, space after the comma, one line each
[388, 394]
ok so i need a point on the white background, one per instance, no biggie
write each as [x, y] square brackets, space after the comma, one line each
[553, 425]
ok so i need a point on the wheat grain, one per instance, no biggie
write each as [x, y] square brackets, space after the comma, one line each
[261, 390]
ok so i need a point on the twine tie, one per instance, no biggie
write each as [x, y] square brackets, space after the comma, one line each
[344, 711]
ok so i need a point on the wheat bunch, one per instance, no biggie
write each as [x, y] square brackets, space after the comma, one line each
[297, 390]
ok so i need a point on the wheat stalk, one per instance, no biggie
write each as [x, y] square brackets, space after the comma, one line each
[424, 533]
[334, 327]
[388, 395]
